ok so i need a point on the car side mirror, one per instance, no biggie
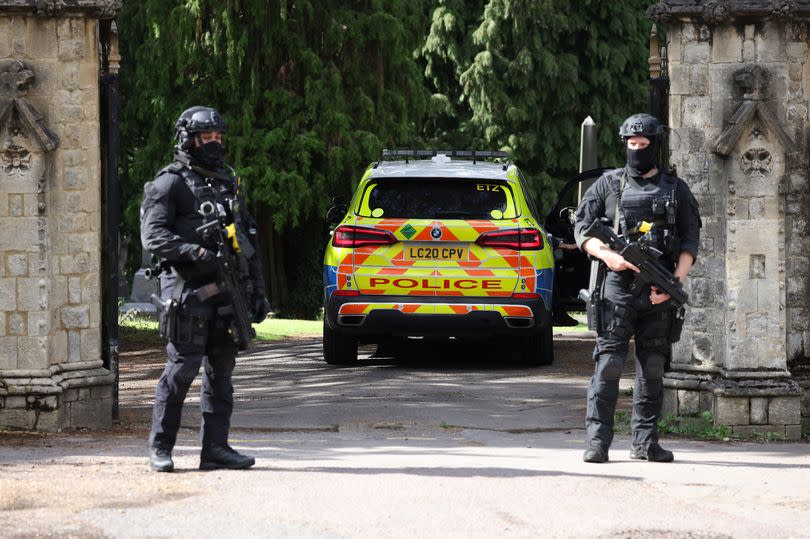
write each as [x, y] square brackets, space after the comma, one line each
[336, 213]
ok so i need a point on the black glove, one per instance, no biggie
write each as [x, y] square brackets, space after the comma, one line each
[205, 255]
[260, 307]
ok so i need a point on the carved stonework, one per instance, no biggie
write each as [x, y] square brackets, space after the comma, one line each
[15, 160]
[752, 81]
[17, 78]
[756, 163]
[784, 9]
[716, 12]
[50, 8]
[102, 9]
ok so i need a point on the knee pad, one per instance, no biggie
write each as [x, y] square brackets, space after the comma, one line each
[610, 367]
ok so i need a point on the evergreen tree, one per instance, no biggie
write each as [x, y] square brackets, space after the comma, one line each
[535, 70]
[312, 92]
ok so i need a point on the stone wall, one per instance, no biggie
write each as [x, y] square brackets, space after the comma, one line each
[51, 373]
[738, 108]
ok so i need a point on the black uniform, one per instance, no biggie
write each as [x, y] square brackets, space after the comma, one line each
[626, 315]
[171, 215]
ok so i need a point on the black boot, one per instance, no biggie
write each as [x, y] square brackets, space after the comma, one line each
[562, 318]
[160, 460]
[215, 456]
[596, 453]
[651, 452]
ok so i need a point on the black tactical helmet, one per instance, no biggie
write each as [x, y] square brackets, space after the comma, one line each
[641, 125]
[197, 120]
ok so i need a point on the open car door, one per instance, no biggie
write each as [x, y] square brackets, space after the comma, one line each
[571, 272]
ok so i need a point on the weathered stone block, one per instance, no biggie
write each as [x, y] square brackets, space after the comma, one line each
[59, 347]
[8, 294]
[74, 346]
[793, 433]
[784, 411]
[670, 404]
[749, 51]
[75, 317]
[32, 294]
[5, 37]
[40, 42]
[731, 410]
[8, 352]
[679, 81]
[18, 233]
[91, 344]
[688, 402]
[759, 410]
[770, 43]
[75, 178]
[697, 111]
[38, 324]
[75, 290]
[101, 392]
[726, 45]
[32, 353]
[17, 264]
[16, 418]
[90, 413]
[71, 39]
[748, 431]
[17, 324]
[697, 53]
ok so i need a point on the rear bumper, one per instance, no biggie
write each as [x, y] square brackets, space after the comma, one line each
[445, 316]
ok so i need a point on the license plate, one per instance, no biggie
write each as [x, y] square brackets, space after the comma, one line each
[435, 252]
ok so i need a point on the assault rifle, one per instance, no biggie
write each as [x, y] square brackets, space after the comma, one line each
[644, 257]
[233, 274]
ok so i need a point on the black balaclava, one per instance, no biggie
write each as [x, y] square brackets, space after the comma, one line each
[208, 155]
[640, 162]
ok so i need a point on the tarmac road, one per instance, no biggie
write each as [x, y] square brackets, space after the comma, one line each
[441, 442]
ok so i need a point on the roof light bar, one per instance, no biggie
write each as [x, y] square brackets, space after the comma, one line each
[475, 155]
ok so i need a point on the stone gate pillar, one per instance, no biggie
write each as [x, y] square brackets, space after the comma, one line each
[738, 106]
[51, 372]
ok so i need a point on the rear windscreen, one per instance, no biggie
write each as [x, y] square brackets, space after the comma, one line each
[438, 198]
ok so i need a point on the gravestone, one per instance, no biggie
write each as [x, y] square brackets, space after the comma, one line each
[51, 372]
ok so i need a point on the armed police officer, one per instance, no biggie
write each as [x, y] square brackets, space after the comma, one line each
[197, 316]
[642, 203]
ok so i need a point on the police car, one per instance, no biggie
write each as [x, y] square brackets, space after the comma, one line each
[440, 244]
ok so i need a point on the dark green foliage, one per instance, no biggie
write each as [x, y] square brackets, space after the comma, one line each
[530, 71]
[313, 90]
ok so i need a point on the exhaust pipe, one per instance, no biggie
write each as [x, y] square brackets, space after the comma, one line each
[514, 322]
[351, 319]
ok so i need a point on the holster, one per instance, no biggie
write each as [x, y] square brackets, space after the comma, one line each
[676, 324]
[593, 296]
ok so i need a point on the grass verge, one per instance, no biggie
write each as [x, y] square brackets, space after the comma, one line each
[143, 330]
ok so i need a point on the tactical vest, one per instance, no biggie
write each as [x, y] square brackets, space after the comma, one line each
[657, 205]
[224, 195]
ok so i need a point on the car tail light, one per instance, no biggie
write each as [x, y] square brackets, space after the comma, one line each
[346, 293]
[513, 238]
[526, 295]
[358, 236]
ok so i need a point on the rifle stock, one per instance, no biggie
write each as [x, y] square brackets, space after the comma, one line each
[645, 258]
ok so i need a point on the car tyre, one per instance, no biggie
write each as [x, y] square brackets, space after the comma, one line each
[539, 348]
[338, 349]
